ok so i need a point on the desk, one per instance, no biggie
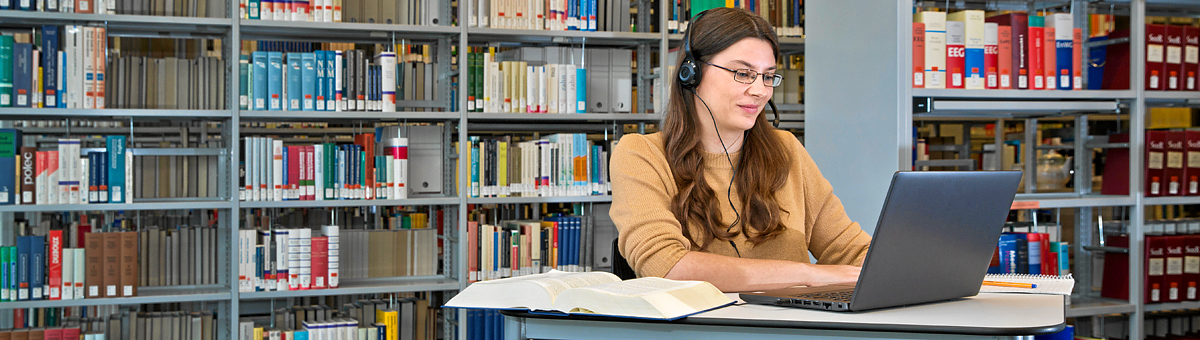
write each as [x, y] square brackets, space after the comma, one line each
[985, 316]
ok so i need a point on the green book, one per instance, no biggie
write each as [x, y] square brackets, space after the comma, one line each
[6, 68]
[244, 82]
[6, 274]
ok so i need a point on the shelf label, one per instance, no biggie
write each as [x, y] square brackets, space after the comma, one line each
[1021, 205]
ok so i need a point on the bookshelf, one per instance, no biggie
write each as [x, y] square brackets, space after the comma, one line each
[458, 124]
[888, 110]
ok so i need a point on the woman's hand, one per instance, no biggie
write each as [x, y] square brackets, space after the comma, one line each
[823, 275]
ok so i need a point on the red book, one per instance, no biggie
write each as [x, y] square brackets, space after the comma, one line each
[305, 169]
[1116, 168]
[293, 174]
[1004, 57]
[1191, 267]
[1077, 53]
[1156, 148]
[1036, 55]
[473, 251]
[1049, 58]
[70, 333]
[1048, 259]
[991, 56]
[1018, 27]
[1117, 63]
[918, 46]
[54, 267]
[320, 262]
[1191, 57]
[1191, 163]
[956, 54]
[1173, 172]
[1156, 41]
[312, 171]
[55, 333]
[19, 318]
[1173, 277]
[1155, 269]
[1173, 64]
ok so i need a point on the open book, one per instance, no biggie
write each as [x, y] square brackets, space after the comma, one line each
[597, 293]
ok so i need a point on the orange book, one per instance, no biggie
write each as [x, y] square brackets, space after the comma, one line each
[94, 264]
[1049, 58]
[112, 263]
[129, 263]
[83, 6]
[1004, 59]
[367, 141]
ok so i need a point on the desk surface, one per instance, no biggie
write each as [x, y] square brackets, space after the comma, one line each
[987, 314]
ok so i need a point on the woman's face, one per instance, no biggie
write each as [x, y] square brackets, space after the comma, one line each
[735, 105]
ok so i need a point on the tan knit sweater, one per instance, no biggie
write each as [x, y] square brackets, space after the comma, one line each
[651, 238]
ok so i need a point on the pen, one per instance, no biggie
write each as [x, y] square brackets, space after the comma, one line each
[1009, 284]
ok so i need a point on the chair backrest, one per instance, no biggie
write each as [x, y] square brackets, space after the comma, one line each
[620, 267]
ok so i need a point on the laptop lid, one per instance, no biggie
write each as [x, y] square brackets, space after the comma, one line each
[933, 242]
[935, 237]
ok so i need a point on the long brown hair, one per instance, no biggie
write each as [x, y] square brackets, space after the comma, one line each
[760, 212]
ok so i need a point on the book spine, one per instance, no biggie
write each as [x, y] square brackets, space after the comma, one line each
[115, 146]
[54, 271]
[67, 286]
[37, 268]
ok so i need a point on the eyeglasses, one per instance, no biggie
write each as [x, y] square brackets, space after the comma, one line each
[747, 76]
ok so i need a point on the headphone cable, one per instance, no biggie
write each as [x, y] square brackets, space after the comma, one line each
[728, 189]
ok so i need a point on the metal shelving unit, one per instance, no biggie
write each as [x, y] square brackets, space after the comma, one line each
[538, 200]
[348, 203]
[877, 89]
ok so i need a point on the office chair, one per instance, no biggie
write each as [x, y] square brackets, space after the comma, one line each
[620, 267]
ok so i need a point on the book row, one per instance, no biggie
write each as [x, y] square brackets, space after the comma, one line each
[524, 247]
[1171, 164]
[328, 171]
[485, 324]
[1014, 50]
[394, 12]
[197, 8]
[552, 15]
[1030, 253]
[293, 259]
[108, 264]
[67, 175]
[136, 82]
[365, 319]
[550, 80]
[787, 16]
[125, 325]
[47, 76]
[563, 164]
[331, 81]
[1169, 274]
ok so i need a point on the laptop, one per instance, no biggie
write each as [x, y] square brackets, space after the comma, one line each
[933, 242]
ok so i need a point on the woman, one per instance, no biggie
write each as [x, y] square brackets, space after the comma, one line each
[719, 195]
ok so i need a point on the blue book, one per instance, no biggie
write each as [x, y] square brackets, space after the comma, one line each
[258, 267]
[330, 81]
[274, 80]
[62, 79]
[300, 335]
[24, 250]
[244, 82]
[1064, 59]
[308, 81]
[50, 65]
[294, 82]
[6, 70]
[319, 56]
[286, 169]
[1095, 63]
[37, 267]
[10, 147]
[115, 168]
[1008, 253]
[258, 78]
[22, 74]
[93, 177]
[580, 91]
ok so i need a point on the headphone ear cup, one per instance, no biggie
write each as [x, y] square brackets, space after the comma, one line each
[688, 77]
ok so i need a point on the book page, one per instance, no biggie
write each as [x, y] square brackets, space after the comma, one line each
[648, 297]
[1045, 284]
[526, 292]
[556, 284]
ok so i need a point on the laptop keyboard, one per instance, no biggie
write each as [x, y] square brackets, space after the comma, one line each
[841, 296]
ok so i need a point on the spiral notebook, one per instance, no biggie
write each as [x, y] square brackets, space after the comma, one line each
[1045, 284]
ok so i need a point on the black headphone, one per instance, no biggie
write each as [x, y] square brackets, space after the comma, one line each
[689, 73]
